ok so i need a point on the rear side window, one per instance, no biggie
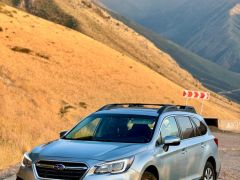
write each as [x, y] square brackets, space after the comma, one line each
[201, 128]
[169, 127]
[186, 127]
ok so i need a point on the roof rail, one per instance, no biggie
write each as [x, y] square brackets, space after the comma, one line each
[177, 108]
[128, 105]
[162, 108]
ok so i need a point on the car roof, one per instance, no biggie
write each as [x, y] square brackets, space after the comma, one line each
[145, 109]
[131, 111]
[143, 112]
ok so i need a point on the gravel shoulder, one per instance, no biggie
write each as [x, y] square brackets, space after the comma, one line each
[229, 150]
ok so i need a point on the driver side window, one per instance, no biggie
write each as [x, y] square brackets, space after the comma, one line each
[169, 128]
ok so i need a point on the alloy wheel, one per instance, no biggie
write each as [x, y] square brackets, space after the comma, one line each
[208, 174]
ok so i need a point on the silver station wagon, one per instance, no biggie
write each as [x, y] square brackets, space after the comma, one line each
[129, 142]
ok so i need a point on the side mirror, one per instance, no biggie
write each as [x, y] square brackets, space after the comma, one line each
[170, 141]
[62, 133]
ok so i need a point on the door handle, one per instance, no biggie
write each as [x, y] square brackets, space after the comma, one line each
[184, 151]
[203, 145]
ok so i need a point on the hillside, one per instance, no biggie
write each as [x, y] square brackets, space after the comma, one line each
[209, 74]
[94, 21]
[220, 80]
[209, 28]
[51, 76]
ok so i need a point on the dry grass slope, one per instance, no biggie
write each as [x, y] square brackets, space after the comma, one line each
[95, 22]
[41, 96]
[100, 25]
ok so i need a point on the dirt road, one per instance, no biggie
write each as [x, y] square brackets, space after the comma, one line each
[229, 148]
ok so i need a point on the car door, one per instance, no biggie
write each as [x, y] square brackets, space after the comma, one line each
[193, 147]
[199, 146]
[170, 162]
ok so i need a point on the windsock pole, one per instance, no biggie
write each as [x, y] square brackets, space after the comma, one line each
[196, 95]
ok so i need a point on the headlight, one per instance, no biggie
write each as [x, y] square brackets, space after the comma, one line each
[113, 167]
[26, 160]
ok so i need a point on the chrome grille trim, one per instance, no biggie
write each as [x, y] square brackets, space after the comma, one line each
[51, 167]
[66, 167]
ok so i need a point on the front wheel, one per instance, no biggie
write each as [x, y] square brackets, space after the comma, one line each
[209, 172]
[148, 176]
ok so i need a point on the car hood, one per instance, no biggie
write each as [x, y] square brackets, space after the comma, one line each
[77, 149]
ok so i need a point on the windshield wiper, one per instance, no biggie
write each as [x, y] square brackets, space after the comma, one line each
[87, 138]
[104, 140]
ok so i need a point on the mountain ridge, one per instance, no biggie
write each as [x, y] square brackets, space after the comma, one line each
[219, 80]
[203, 27]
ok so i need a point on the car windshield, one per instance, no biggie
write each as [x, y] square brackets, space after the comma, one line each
[114, 128]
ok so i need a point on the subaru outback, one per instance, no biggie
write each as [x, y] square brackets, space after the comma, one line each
[129, 142]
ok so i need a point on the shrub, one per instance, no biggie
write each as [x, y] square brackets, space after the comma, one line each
[83, 105]
[1, 29]
[63, 110]
[101, 13]
[21, 49]
[87, 4]
[41, 55]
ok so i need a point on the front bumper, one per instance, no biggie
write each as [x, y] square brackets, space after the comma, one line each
[26, 173]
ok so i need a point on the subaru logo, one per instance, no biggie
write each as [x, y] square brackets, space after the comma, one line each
[59, 167]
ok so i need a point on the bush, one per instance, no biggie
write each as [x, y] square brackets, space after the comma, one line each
[41, 55]
[83, 105]
[21, 49]
[87, 4]
[65, 109]
[1, 29]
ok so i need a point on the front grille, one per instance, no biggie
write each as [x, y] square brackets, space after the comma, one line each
[60, 170]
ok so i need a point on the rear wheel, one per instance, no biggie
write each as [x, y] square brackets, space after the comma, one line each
[209, 172]
[148, 176]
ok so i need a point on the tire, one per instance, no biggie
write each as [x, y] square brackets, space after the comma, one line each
[209, 173]
[148, 176]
